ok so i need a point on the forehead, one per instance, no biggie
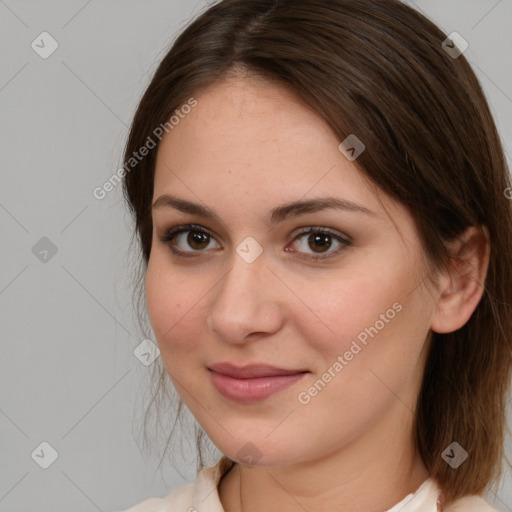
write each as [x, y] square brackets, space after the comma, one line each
[250, 145]
[258, 114]
[252, 131]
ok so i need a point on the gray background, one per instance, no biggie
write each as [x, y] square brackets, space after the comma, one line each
[68, 375]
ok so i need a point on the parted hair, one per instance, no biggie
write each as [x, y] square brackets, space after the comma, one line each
[377, 69]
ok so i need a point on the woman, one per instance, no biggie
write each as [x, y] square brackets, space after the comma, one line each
[320, 196]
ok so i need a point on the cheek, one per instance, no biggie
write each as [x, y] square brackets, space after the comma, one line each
[356, 384]
[364, 330]
[176, 305]
[341, 309]
[379, 331]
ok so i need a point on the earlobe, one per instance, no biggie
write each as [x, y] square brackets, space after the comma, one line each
[462, 286]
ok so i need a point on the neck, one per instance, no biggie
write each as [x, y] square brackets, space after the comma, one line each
[372, 474]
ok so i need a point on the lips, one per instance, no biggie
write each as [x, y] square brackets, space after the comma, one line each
[252, 371]
[254, 383]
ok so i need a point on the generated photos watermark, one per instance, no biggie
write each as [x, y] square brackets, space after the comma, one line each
[305, 397]
[109, 185]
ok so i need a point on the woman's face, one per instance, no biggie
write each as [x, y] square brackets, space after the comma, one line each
[345, 303]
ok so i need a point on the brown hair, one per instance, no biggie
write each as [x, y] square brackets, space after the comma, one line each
[377, 69]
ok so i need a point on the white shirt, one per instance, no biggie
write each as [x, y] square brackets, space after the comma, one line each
[202, 496]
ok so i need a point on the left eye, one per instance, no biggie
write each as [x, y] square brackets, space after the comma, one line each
[320, 240]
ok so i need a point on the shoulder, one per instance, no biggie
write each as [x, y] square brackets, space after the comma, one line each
[179, 500]
[470, 504]
[201, 494]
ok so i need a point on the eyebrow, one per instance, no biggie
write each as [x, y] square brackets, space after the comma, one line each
[277, 215]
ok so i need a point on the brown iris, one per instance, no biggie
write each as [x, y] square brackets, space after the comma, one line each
[318, 239]
[199, 238]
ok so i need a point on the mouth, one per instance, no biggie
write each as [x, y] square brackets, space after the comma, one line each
[252, 383]
[252, 370]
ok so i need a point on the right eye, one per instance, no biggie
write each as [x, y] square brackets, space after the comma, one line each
[198, 238]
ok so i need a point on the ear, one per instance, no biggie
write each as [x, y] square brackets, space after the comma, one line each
[462, 286]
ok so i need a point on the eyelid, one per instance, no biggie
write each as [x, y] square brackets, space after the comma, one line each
[322, 229]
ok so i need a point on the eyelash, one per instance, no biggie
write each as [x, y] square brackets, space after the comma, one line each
[173, 232]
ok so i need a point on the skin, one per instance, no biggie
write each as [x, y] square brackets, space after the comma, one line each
[248, 147]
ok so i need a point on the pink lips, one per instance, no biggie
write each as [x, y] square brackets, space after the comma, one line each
[253, 382]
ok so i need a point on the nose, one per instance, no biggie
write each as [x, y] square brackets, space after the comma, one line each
[247, 300]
